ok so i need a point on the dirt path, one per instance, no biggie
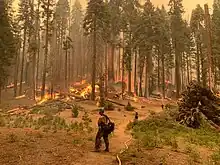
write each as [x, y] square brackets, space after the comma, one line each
[121, 119]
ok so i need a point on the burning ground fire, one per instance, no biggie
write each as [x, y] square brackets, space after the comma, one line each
[85, 92]
[78, 90]
[75, 89]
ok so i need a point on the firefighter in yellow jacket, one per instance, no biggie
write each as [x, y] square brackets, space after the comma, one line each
[102, 123]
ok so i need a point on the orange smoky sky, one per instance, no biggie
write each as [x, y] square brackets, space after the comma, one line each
[188, 4]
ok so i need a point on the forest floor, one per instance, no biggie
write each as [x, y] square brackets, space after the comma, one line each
[55, 137]
[24, 141]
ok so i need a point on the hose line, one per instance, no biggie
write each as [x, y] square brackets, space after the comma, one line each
[123, 150]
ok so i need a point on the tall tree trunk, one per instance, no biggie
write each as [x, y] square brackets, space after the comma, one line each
[69, 67]
[146, 92]
[94, 62]
[34, 74]
[148, 72]
[38, 60]
[38, 45]
[163, 73]
[190, 69]
[106, 70]
[187, 68]
[198, 62]
[0, 93]
[22, 60]
[82, 58]
[135, 73]
[119, 63]
[66, 70]
[204, 69]
[26, 75]
[123, 68]
[147, 77]
[130, 65]
[141, 69]
[177, 69]
[140, 84]
[46, 52]
[111, 63]
[182, 70]
[73, 64]
[158, 71]
[61, 58]
[16, 71]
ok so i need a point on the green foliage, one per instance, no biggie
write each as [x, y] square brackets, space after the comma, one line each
[46, 110]
[215, 157]
[129, 107]
[161, 130]
[96, 18]
[109, 106]
[7, 43]
[75, 111]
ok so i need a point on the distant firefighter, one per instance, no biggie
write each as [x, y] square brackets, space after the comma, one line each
[136, 117]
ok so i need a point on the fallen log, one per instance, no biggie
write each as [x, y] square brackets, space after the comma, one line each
[114, 102]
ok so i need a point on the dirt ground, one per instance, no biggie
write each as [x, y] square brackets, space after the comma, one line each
[27, 146]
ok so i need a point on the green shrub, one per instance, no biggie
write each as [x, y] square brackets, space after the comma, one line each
[75, 111]
[108, 106]
[129, 107]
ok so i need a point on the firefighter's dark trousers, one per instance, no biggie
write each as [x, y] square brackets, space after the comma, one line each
[99, 135]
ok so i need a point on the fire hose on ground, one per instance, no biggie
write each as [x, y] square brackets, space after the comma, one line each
[123, 150]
